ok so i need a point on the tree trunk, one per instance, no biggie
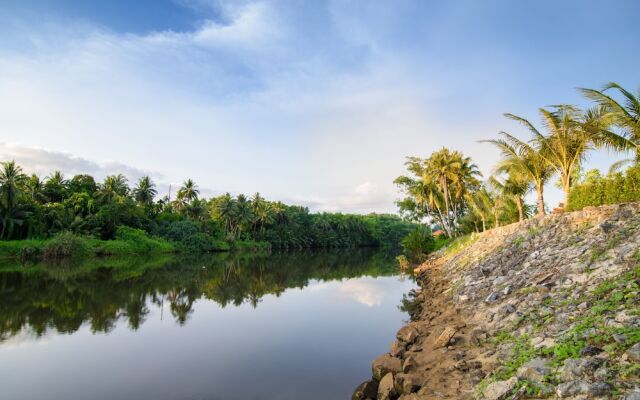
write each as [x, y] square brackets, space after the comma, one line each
[484, 223]
[539, 190]
[566, 186]
[497, 217]
[520, 210]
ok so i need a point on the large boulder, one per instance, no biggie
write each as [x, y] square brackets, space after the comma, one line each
[572, 388]
[407, 383]
[407, 334]
[385, 364]
[633, 352]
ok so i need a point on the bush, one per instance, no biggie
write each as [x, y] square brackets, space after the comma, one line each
[251, 245]
[611, 189]
[132, 241]
[417, 244]
[65, 244]
[203, 243]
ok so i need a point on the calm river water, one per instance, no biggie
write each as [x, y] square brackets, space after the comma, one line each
[284, 326]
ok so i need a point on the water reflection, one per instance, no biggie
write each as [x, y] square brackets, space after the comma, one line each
[101, 292]
[281, 327]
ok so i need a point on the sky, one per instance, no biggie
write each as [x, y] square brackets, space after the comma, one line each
[309, 102]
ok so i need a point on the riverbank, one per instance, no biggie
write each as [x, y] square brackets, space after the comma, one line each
[546, 308]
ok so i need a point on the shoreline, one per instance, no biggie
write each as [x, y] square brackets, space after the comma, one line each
[527, 309]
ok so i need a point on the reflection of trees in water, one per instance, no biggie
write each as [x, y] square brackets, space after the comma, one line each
[104, 292]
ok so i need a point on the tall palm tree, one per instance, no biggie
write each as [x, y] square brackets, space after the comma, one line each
[55, 187]
[481, 204]
[572, 133]
[145, 191]
[625, 116]
[262, 211]
[114, 186]
[243, 216]
[526, 159]
[34, 187]
[224, 207]
[514, 187]
[12, 181]
[188, 191]
[443, 165]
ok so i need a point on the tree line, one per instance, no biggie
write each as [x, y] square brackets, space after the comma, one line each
[448, 190]
[32, 207]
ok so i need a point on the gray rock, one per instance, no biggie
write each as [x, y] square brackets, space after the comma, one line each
[572, 388]
[589, 350]
[633, 352]
[385, 388]
[492, 297]
[535, 370]
[385, 364]
[500, 390]
[599, 389]
[632, 396]
[577, 368]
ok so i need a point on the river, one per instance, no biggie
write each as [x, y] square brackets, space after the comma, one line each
[281, 326]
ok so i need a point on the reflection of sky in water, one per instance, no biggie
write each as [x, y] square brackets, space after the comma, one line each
[314, 343]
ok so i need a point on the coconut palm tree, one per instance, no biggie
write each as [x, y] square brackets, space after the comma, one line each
[480, 203]
[55, 187]
[114, 186]
[34, 188]
[12, 181]
[145, 191]
[225, 208]
[572, 133]
[625, 116]
[514, 187]
[188, 191]
[525, 159]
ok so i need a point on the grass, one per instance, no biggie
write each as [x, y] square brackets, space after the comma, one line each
[66, 244]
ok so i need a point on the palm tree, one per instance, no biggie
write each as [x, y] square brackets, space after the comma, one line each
[12, 181]
[572, 133]
[243, 216]
[514, 187]
[625, 116]
[262, 211]
[443, 165]
[145, 191]
[225, 208]
[34, 188]
[189, 191]
[114, 186]
[55, 187]
[481, 204]
[525, 159]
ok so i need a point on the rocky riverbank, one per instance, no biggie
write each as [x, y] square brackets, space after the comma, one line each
[546, 308]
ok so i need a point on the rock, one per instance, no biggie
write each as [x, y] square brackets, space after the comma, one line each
[444, 337]
[577, 368]
[409, 364]
[407, 383]
[632, 396]
[397, 349]
[366, 390]
[509, 308]
[385, 364]
[407, 334]
[478, 336]
[410, 396]
[572, 388]
[507, 290]
[607, 227]
[500, 390]
[385, 388]
[599, 389]
[534, 370]
[620, 339]
[492, 297]
[633, 352]
[589, 350]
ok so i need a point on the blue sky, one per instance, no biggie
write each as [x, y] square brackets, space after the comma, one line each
[313, 102]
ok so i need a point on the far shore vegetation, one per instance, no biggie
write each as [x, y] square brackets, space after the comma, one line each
[447, 192]
[55, 216]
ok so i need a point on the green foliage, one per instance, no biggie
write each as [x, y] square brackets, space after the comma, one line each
[417, 244]
[611, 189]
[65, 244]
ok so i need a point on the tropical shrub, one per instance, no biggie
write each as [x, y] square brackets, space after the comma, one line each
[418, 244]
[65, 244]
[596, 190]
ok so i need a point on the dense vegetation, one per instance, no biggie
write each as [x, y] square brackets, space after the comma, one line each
[616, 187]
[57, 217]
[446, 190]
